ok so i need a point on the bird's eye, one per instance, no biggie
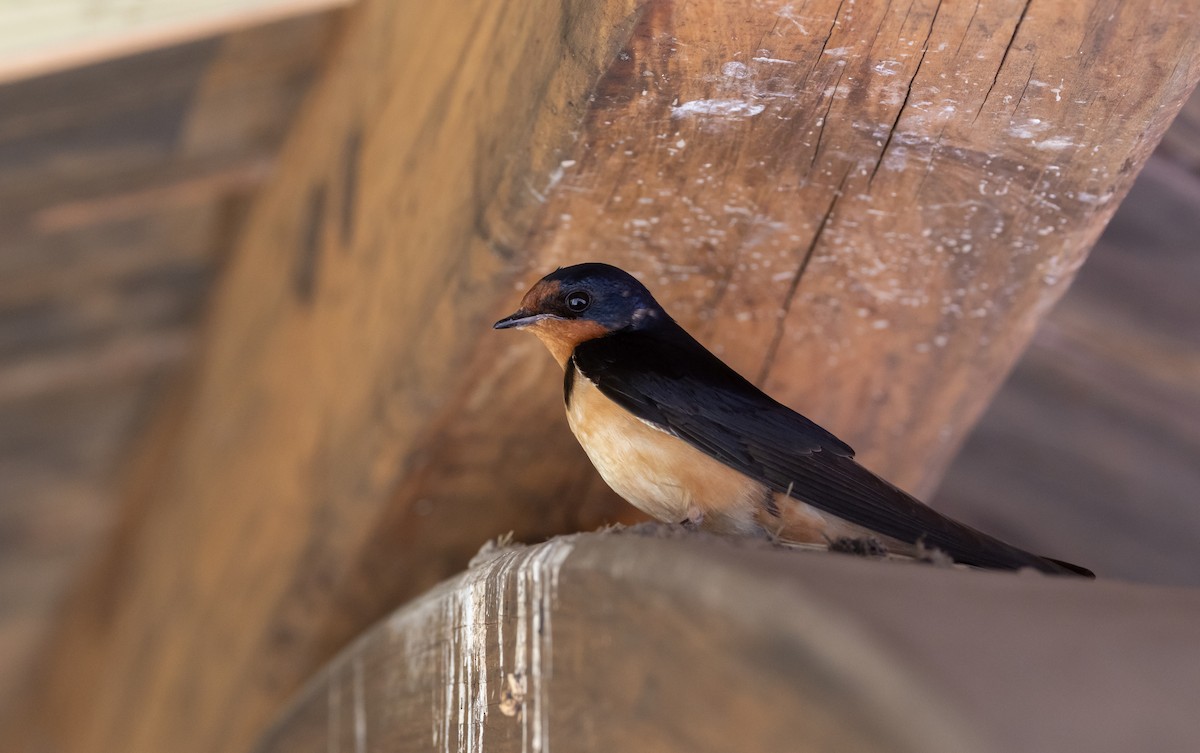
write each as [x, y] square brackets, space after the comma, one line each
[578, 301]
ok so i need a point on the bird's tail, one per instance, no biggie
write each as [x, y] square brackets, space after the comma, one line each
[1072, 569]
[891, 511]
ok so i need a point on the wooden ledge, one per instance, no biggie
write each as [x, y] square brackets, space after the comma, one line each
[613, 641]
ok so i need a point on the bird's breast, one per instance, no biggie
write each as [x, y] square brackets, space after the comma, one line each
[657, 472]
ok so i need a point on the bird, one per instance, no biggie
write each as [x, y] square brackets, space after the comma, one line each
[686, 439]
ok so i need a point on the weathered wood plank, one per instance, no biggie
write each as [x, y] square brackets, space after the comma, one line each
[50, 36]
[608, 642]
[427, 152]
[121, 188]
[906, 310]
[866, 206]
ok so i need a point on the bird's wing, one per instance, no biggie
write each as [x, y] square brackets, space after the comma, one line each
[668, 379]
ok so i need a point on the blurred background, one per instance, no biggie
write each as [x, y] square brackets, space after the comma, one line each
[127, 167]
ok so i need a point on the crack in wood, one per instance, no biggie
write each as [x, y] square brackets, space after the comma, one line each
[794, 285]
[825, 121]
[1024, 88]
[879, 29]
[825, 43]
[1003, 58]
[907, 95]
[841, 72]
[305, 274]
[966, 29]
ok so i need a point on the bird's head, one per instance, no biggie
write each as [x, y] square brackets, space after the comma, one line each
[582, 302]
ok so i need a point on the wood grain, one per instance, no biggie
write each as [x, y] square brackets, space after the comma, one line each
[52, 36]
[607, 642]
[121, 189]
[428, 152]
[866, 210]
[866, 206]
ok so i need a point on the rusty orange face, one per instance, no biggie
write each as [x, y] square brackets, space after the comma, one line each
[582, 302]
[555, 316]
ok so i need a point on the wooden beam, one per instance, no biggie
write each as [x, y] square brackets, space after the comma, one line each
[53, 35]
[122, 187]
[624, 642]
[391, 165]
[867, 207]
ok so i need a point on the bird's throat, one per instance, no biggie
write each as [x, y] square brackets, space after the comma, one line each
[562, 336]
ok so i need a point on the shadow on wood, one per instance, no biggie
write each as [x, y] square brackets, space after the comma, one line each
[616, 641]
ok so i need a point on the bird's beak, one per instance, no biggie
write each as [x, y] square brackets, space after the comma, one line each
[520, 318]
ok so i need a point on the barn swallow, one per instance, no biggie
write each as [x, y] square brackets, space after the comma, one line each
[686, 439]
